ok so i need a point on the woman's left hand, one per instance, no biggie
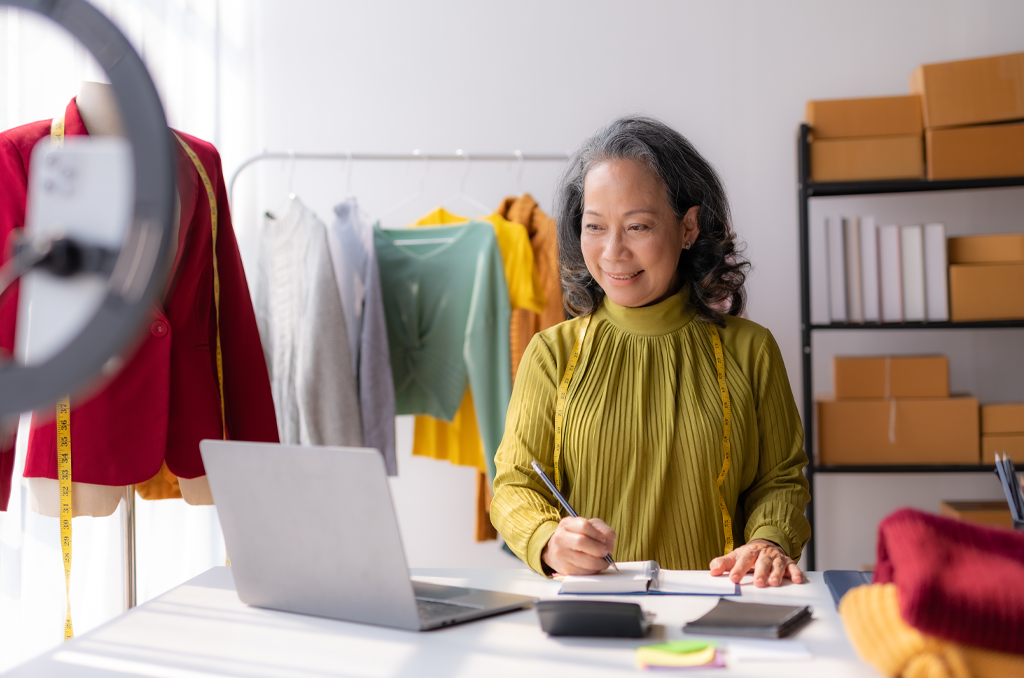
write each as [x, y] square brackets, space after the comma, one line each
[770, 564]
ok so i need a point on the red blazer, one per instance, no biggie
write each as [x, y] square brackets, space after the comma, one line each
[165, 399]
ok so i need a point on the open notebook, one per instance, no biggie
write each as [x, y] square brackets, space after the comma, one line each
[647, 577]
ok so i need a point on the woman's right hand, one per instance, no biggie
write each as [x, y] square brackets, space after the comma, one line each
[579, 546]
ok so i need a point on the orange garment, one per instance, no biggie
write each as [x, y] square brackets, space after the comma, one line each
[164, 485]
[544, 242]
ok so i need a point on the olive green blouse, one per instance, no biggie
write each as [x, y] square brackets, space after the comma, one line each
[642, 441]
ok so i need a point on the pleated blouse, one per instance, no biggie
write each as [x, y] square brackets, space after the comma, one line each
[642, 444]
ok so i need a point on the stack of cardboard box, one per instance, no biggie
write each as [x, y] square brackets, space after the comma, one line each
[986, 277]
[971, 113]
[896, 410]
[960, 101]
[866, 139]
[1002, 430]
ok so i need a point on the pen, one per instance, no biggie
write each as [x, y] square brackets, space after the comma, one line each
[1011, 474]
[564, 502]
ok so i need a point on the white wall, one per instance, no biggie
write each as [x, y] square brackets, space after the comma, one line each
[539, 76]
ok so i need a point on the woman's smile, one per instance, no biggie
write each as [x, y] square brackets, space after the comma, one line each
[622, 278]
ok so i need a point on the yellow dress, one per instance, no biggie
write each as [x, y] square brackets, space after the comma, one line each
[459, 442]
[642, 438]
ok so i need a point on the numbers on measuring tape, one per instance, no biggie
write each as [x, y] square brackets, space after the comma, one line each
[723, 389]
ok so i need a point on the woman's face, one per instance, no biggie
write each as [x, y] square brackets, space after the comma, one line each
[631, 238]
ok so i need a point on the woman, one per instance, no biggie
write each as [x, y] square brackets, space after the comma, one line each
[651, 273]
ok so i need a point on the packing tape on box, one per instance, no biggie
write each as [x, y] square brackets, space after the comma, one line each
[892, 421]
[892, 401]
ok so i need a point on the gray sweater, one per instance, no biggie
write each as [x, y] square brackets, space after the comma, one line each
[305, 339]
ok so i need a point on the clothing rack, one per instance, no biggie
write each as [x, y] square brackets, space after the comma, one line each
[348, 156]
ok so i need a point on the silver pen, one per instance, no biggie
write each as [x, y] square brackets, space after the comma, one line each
[564, 502]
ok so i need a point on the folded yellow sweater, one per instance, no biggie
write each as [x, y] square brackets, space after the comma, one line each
[871, 615]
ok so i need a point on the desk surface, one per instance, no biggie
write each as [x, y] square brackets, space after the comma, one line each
[201, 630]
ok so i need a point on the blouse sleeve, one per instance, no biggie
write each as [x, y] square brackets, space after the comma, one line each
[775, 502]
[523, 510]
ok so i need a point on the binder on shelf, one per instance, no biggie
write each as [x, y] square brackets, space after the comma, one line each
[890, 277]
[912, 271]
[836, 270]
[935, 273]
[871, 296]
[851, 245]
[818, 248]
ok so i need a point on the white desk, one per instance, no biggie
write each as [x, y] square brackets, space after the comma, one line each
[201, 630]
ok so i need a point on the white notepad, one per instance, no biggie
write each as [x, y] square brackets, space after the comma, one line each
[647, 577]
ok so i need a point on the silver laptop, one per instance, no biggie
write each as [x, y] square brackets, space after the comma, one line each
[313, 530]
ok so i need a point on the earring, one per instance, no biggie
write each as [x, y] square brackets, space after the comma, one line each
[687, 244]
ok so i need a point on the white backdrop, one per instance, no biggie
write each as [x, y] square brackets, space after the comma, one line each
[537, 76]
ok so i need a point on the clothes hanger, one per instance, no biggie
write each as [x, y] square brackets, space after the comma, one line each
[291, 174]
[462, 188]
[519, 173]
[291, 183]
[418, 193]
[348, 175]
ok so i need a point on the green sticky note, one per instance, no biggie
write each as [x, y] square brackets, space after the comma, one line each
[681, 646]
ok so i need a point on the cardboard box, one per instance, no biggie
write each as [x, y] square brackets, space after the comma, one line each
[986, 292]
[1013, 445]
[975, 152]
[875, 117]
[987, 249]
[1004, 418]
[907, 377]
[990, 513]
[923, 431]
[970, 92]
[867, 158]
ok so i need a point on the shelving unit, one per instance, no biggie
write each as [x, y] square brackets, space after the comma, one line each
[806, 190]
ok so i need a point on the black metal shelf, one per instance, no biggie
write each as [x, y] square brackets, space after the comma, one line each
[806, 190]
[976, 325]
[906, 468]
[822, 189]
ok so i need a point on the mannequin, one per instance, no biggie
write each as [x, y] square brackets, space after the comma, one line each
[98, 107]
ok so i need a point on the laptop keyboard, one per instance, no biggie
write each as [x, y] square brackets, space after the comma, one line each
[432, 610]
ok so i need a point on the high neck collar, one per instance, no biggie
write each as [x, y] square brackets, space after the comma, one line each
[664, 317]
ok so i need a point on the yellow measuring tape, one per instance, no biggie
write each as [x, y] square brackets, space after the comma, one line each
[63, 426]
[211, 196]
[723, 388]
[64, 480]
[563, 390]
[63, 421]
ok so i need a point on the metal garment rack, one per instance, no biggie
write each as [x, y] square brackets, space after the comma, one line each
[349, 156]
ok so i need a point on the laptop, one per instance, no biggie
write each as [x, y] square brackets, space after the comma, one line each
[312, 530]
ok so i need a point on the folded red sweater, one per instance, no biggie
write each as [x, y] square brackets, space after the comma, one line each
[957, 581]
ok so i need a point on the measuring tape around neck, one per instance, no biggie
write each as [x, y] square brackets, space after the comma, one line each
[63, 433]
[211, 197]
[563, 391]
[63, 409]
[723, 388]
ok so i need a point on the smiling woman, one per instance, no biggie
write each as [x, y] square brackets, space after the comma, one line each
[659, 181]
[663, 417]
